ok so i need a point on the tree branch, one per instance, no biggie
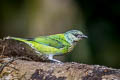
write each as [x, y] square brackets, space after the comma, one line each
[33, 70]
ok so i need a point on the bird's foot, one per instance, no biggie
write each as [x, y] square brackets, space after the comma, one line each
[50, 57]
[55, 61]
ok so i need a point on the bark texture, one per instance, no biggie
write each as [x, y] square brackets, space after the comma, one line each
[36, 70]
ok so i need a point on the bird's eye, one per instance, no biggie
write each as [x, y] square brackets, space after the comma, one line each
[76, 35]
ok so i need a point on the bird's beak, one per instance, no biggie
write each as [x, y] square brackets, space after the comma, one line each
[84, 36]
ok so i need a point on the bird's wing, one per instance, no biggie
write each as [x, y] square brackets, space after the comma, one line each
[56, 41]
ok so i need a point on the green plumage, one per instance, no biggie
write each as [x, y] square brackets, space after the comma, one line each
[54, 44]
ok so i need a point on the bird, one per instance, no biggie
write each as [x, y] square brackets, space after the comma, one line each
[55, 44]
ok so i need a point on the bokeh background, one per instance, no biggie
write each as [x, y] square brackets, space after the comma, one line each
[99, 19]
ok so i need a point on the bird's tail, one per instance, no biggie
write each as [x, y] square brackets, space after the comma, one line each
[16, 38]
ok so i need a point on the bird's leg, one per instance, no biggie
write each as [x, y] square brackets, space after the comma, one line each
[50, 57]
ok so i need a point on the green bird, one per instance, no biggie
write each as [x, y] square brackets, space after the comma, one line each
[54, 44]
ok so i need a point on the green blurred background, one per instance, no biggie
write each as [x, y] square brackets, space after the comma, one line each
[99, 19]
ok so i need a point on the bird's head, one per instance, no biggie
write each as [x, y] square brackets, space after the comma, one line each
[74, 36]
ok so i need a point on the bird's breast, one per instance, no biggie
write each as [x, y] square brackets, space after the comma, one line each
[70, 48]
